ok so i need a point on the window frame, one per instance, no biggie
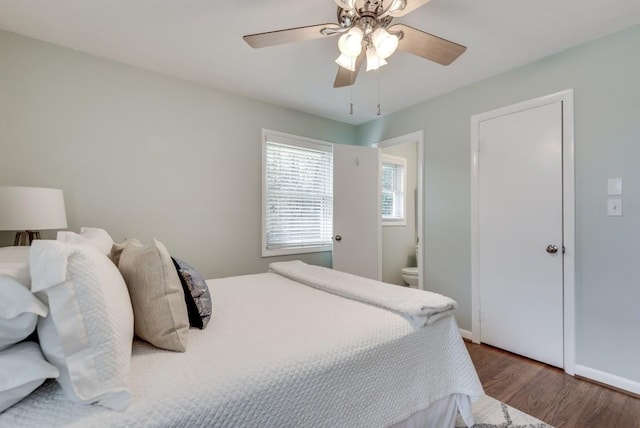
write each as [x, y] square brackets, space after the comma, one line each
[396, 160]
[291, 140]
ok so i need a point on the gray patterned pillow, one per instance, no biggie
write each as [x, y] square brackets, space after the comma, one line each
[196, 294]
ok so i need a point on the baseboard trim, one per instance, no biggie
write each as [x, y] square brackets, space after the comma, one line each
[608, 379]
[466, 334]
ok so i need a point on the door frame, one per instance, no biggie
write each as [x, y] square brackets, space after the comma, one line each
[414, 137]
[568, 214]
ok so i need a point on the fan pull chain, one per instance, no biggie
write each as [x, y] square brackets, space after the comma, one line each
[351, 99]
[353, 66]
[378, 73]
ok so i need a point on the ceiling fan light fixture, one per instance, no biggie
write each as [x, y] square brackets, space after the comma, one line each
[385, 43]
[364, 25]
[346, 62]
[350, 44]
[374, 62]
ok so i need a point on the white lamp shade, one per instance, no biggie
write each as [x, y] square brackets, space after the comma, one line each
[374, 62]
[31, 208]
[385, 43]
[350, 44]
[346, 62]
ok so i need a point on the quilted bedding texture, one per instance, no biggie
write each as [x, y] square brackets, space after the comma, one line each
[278, 353]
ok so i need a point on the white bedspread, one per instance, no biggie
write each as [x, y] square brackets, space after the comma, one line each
[279, 354]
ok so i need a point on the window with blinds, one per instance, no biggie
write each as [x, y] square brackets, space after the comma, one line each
[394, 178]
[297, 195]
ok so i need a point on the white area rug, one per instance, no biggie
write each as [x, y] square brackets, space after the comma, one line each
[491, 413]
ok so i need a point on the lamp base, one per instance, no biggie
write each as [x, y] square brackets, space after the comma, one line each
[25, 238]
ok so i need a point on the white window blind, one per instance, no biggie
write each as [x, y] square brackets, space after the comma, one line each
[298, 195]
[394, 177]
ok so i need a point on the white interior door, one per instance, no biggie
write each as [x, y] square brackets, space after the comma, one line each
[357, 225]
[520, 232]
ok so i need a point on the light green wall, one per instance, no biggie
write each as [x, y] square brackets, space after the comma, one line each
[605, 75]
[141, 154]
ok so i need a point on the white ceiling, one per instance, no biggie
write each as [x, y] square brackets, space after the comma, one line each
[201, 41]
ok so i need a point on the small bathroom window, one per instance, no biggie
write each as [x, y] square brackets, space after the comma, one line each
[394, 185]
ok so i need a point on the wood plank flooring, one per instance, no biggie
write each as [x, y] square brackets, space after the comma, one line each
[549, 394]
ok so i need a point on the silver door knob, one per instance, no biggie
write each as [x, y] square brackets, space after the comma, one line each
[338, 238]
[552, 249]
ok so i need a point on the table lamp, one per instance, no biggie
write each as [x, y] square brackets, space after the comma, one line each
[27, 210]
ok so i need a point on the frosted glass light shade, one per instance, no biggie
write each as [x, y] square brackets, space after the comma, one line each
[31, 208]
[396, 5]
[346, 4]
[350, 44]
[374, 62]
[346, 62]
[385, 43]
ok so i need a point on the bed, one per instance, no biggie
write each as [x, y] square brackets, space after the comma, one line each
[281, 353]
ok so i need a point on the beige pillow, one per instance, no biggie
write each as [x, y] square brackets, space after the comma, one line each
[159, 309]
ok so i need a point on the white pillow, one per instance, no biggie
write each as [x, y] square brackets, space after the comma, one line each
[22, 369]
[19, 311]
[89, 330]
[18, 271]
[99, 238]
[14, 254]
[14, 261]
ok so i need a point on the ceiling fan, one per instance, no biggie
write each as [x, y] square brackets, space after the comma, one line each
[366, 31]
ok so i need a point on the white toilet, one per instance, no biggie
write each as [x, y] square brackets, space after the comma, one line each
[410, 274]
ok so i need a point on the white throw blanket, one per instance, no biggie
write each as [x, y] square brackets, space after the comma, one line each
[419, 306]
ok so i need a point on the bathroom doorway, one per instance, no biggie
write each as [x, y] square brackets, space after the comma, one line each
[401, 180]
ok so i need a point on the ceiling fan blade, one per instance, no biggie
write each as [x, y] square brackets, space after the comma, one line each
[409, 6]
[272, 38]
[427, 45]
[346, 77]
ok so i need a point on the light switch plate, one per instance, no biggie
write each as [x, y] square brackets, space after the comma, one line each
[614, 207]
[614, 186]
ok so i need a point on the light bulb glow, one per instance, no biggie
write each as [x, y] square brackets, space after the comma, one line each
[374, 62]
[385, 43]
[346, 62]
[350, 44]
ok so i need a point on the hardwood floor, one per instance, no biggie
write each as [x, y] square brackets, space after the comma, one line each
[549, 394]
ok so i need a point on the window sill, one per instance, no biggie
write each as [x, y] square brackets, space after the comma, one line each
[394, 223]
[299, 250]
